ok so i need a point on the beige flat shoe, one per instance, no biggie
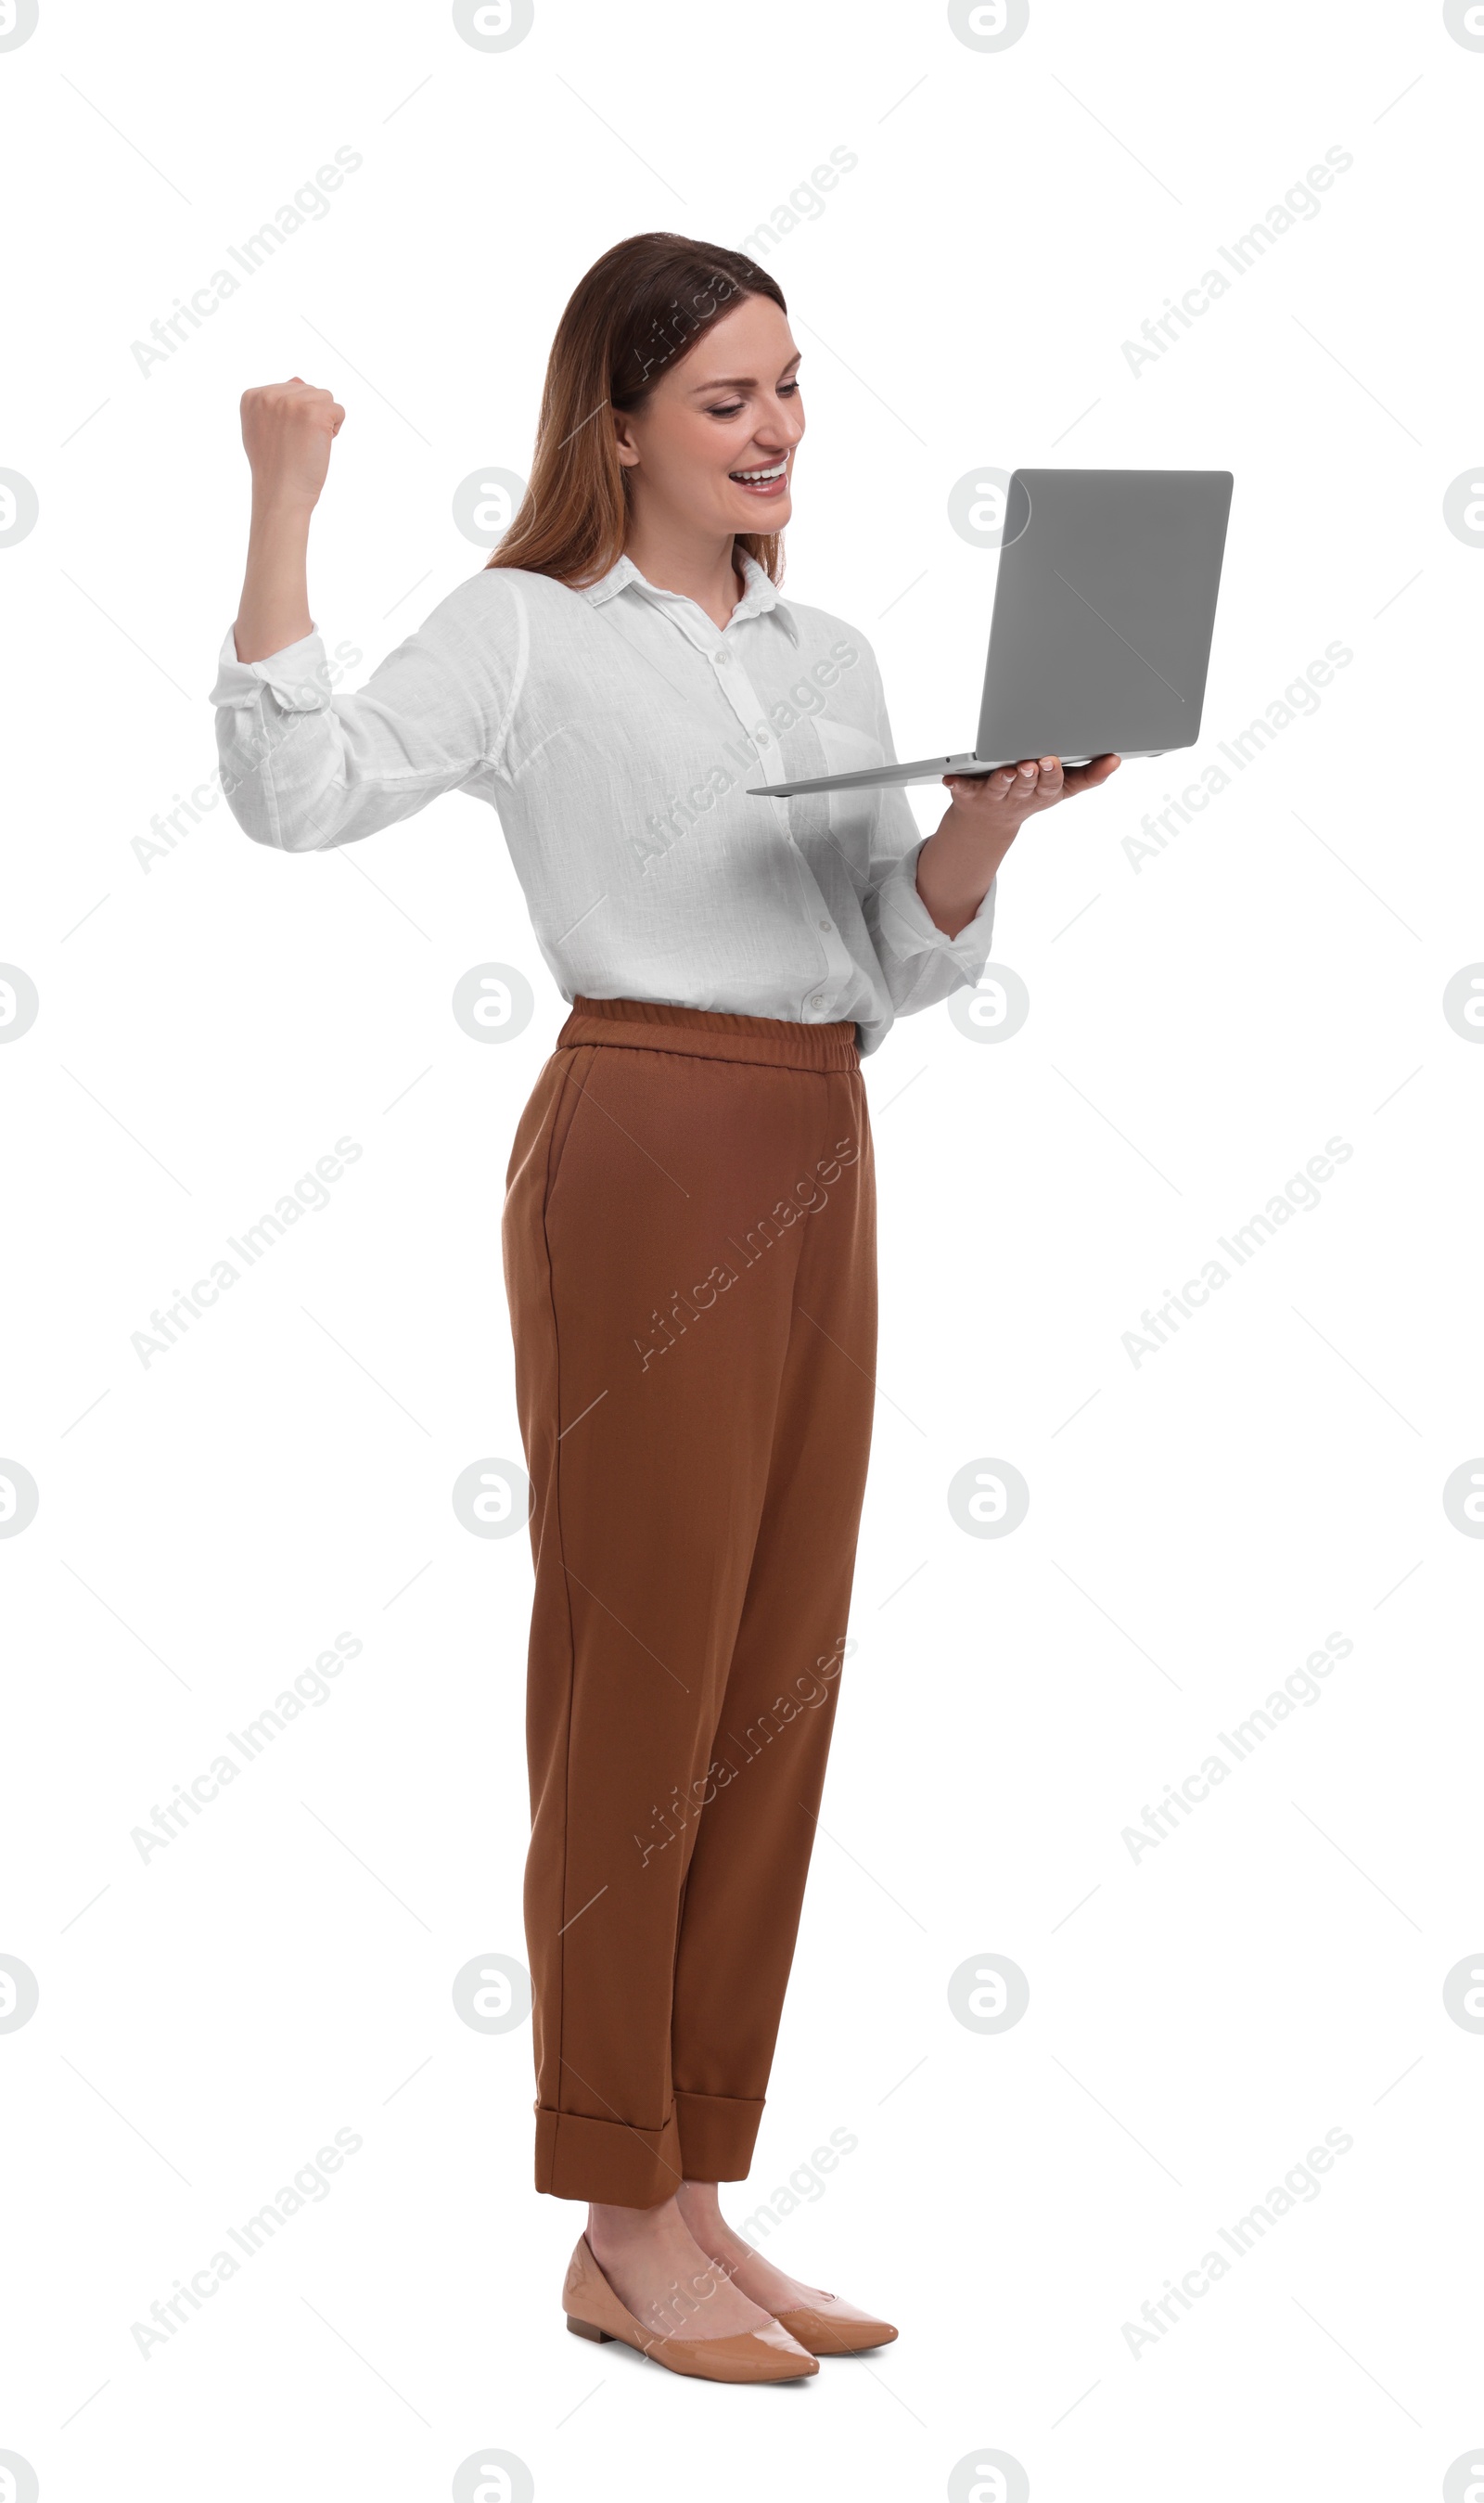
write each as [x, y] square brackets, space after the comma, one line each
[829, 2327]
[594, 2311]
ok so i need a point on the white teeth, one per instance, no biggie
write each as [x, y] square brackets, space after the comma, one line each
[752, 476]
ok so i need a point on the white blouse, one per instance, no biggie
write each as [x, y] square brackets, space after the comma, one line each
[615, 730]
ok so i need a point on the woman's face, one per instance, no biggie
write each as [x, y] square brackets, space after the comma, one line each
[731, 406]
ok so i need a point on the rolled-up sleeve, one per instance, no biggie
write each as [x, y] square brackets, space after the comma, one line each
[303, 768]
[919, 963]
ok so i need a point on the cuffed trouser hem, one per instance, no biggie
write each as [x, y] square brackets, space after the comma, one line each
[606, 2160]
[717, 2136]
[707, 2138]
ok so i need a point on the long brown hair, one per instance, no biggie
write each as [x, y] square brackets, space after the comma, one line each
[643, 305]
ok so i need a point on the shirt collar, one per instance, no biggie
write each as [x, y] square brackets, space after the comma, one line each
[758, 595]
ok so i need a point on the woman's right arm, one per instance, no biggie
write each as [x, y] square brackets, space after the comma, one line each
[303, 768]
[286, 432]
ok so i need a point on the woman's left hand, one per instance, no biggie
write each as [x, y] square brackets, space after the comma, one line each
[956, 866]
[1007, 797]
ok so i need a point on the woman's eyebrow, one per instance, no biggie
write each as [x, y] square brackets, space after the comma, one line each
[742, 382]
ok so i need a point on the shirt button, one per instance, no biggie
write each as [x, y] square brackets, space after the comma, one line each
[824, 925]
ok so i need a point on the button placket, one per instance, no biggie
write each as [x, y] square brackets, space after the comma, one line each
[739, 689]
[839, 971]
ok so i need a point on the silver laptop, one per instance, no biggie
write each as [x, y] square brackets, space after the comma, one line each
[1104, 604]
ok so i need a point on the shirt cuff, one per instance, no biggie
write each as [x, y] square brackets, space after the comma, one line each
[298, 675]
[911, 928]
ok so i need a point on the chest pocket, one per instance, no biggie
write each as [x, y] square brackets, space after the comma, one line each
[847, 817]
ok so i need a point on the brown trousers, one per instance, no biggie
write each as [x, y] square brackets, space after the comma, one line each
[690, 1251]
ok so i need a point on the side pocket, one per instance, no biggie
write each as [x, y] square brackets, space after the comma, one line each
[529, 1125]
[579, 1065]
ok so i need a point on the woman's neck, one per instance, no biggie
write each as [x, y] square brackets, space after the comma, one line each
[709, 573]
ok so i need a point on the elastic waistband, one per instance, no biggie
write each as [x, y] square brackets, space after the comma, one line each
[711, 1034]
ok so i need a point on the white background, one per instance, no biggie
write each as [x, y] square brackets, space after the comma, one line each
[1200, 1024]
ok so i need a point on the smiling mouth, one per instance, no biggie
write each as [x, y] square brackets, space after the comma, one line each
[762, 482]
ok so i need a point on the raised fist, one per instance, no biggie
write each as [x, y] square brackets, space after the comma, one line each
[286, 431]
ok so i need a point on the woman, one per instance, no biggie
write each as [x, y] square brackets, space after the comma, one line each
[689, 1231]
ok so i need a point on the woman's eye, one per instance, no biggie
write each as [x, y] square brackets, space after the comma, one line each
[786, 390]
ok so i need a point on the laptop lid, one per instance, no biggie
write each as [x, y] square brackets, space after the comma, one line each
[1104, 605]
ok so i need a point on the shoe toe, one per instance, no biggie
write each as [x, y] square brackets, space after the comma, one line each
[782, 2342]
[829, 2327]
[765, 2354]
